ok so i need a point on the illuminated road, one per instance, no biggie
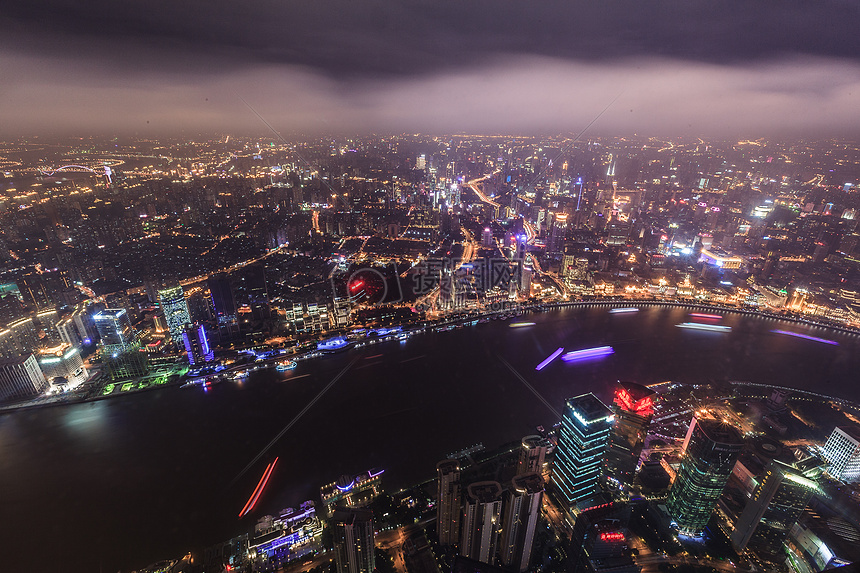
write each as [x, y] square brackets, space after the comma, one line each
[474, 183]
[652, 562]
[393, 540]
[470, 251]
[303, 566]
[230, 269]
[553, 278]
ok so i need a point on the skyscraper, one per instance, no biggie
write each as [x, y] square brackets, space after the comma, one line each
[522, 512]
[710, 451]
[583, 438]
[63, 361]
[533, 452]
[223, 300]
[487, 238]
[353, 540]
[21, 378]
[114, 326]
[175, 311]
[19, 337]
[633, 407]
[448, 502]
[556, 238]
[196, 344]
[121, 350]
[481, 521]
[842, 453]
[776, 504]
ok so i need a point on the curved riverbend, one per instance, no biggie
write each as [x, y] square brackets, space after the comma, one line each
[124, 482]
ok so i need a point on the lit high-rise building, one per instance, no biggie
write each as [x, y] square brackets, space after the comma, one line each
[114, 327]
[842, 454]
[68, 332]
[196, 344]
[479, 534]
[21, 378]
[48, 320]
[175, 311]
[448, 502]
[775, 506]
[487, 239]
[353, 540]
[223, 299]
[583, 439]
[533, 452]
[121, 352]
[521, 516]
[63, 361]
[19, 337]
[633, 406]
[556, 238]
[710, 451]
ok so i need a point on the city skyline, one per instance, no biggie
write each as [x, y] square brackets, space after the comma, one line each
[205, 308]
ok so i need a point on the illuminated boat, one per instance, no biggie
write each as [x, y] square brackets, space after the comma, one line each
[588, 353]
[706, 316]
[806, 337]
[285, 365]
[705, 327]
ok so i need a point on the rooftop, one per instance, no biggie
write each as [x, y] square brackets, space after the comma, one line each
[719, 432]
[448, 466]
[529, 483]
[589, 406]
[485, 491]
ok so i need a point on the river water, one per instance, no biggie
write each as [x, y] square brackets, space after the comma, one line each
[120, 483]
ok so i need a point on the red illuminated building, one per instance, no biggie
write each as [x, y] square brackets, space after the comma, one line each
[633, 406]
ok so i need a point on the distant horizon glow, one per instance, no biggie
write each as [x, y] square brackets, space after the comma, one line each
[690, 99]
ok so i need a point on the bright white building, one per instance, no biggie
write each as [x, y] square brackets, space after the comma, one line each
[842, 453]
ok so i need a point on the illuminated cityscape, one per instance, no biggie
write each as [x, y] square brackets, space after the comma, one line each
[450, 287]
[256, 259]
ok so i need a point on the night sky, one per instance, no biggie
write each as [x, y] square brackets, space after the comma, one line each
[737, 68]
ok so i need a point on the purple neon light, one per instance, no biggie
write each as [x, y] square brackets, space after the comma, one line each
[373, 475]
[806, 336]
[549, 359]
[588, 353]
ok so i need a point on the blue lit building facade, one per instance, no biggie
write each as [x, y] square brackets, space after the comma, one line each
[197, 344]
[583, 438]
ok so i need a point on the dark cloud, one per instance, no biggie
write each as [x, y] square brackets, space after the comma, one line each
[724, 66]
[390, 37]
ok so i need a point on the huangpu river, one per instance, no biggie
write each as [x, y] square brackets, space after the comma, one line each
[124, 482]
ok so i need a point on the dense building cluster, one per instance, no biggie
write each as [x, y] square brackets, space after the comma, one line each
[137, 263]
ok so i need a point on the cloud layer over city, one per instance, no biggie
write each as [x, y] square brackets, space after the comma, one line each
[734, 68]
